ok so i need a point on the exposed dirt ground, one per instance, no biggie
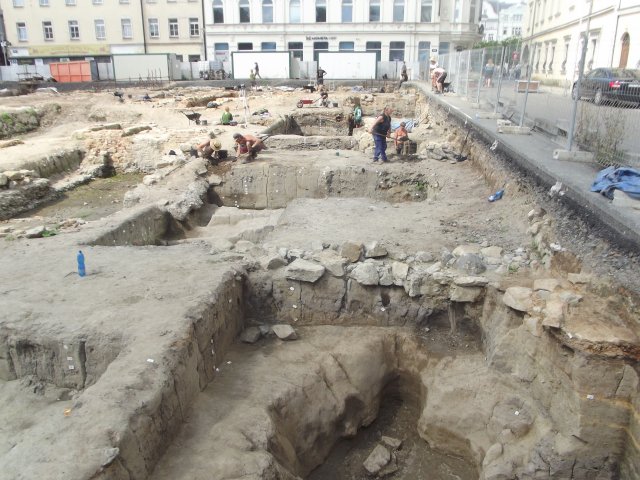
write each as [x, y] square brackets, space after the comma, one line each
[138, 301]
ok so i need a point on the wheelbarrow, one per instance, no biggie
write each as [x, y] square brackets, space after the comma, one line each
[301, 103]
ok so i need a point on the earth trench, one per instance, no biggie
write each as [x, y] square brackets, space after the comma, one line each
[421, 312]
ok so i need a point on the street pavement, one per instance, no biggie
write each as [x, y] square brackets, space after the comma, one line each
[555, 106]
[533, 154]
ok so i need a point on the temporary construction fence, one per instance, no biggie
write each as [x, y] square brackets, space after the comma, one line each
[603, 123]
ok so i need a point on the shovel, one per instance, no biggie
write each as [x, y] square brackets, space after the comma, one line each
[459, 157]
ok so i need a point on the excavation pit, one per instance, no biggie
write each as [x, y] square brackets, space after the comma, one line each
[416, 302]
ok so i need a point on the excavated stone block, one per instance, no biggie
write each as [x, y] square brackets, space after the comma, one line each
[351, 251]
[250, 335]
[465, 294]
[304, 271]
[330, 260]
[374, 249]
[377, 460]
[461, 250]
[548, 284]
[365, 274]
[284, 332]
[470, 281]
[518, 298]
[399, 270]
[470, 263]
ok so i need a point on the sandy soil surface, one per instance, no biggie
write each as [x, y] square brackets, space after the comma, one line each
[134, 305]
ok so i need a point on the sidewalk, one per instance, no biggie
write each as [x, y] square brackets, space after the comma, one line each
[534, 155]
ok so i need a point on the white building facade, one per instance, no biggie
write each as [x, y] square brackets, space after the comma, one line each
[44, 31]
[409, 30]
[556, 32]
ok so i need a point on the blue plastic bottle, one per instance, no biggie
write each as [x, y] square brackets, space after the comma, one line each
[496, 196]
[81, 270]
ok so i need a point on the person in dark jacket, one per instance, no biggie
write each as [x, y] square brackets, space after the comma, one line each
[381, 130]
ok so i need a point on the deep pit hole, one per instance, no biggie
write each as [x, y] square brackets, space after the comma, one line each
[396, 411]
[398, 414]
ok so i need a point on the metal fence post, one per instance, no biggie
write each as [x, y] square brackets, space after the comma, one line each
[459, 54]
[583, 58]
[481, 76]
[495, 110]
[466, 89]
[526, 92]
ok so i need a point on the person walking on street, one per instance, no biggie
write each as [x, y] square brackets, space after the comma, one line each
[256, 70]
[380, 130]
[489, 69]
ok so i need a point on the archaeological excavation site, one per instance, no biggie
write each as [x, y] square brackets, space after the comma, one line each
[308, 314]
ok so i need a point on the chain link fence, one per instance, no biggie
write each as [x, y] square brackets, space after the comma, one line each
[518, 82]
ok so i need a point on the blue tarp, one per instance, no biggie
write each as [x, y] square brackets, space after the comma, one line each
[409, 124]
[612, 178]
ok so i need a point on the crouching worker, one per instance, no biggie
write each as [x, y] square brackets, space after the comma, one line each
[212, 150]
[227, 116]
[247, 146]
[401, 137]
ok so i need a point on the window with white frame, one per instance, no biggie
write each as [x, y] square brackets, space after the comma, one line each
[346, 46]
[74, 30]
[295, 16]
[218, 11]
[194, 27]
[152, 1]
[22, 31]
[70, 3]
[472, 12]
[44, 3]
[398, 10]
[396, 51]
[426, 11]
[267, 11]
[47, 30]
[124, 1]
[424, 50]
[127, 31]
[516, 31]
[101, 31]
[98, 2]
[347, 11]
[374, 10]
[244, 11]
[18, 3]
[173, 28]
[297, 49]
[321, 11]
[154, 28]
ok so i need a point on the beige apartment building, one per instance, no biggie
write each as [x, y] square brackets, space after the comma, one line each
[555, 32]
[396, 30]
[46, 31]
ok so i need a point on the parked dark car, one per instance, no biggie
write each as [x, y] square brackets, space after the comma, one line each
[610, 86]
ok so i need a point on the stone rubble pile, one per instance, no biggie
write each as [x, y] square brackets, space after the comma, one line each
[382, 461]
[14, 231]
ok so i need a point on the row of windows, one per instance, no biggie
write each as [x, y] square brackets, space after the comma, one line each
[396, 49]
[100, 29]
[295, 11]
[73, 3]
